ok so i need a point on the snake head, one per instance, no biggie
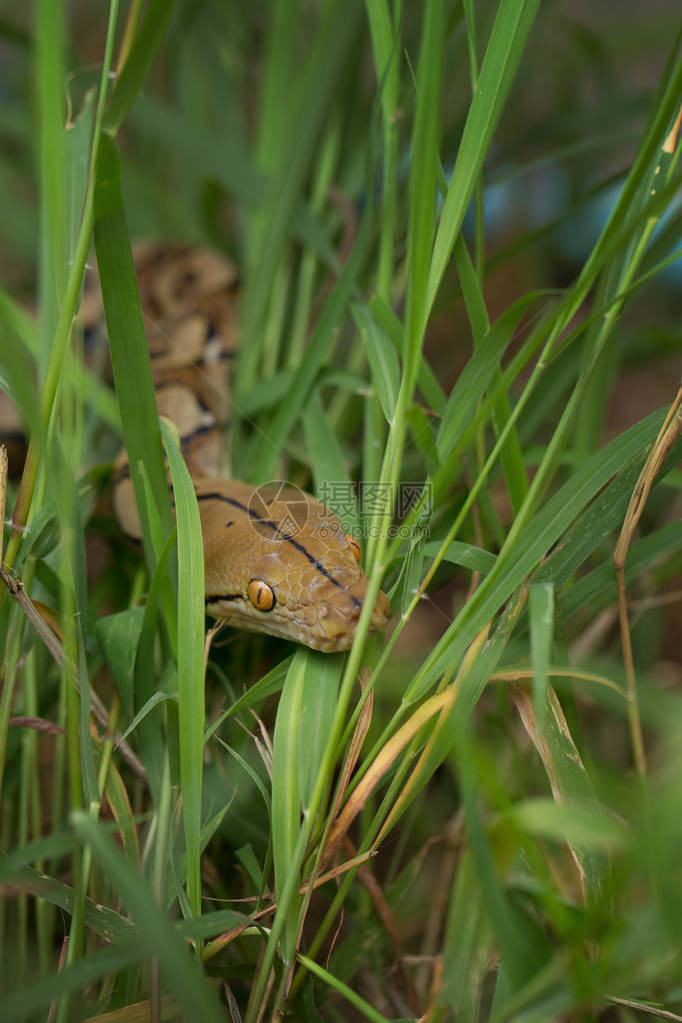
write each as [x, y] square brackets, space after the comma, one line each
[282, 564]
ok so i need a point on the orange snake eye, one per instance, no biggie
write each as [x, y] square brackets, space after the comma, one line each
[355, 547]
[261, 595]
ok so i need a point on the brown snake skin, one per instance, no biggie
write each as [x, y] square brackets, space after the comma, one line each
[276, 560]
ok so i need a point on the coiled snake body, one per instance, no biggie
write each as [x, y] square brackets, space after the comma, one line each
[276, 560]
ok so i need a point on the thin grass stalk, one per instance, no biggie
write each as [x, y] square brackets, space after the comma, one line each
[10, 668]
[351, 996]
[385, 36]
[513, 22]
[132, 22]
[284, 24]
[68, 311]
[511, 458]
[160, 871]
[432, 41]
[479, 221]
[190, 627]
[48, 398]
[78, 737]
[95, 806]
[6, 831]
[27, 763]
[306, 276]
[50, 74]
[43, 936]
[668, 434]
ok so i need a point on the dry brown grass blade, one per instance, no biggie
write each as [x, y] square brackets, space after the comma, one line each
[38, 725]
[381, 765]
[427, 980]
[662, 447]
[16, 590]
[517, 674]
[441, 704]
[407, 792]
[140, 1012]
[649, 1010]
[358, 740]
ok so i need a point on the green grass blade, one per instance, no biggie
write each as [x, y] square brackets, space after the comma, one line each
[128, 343]
[422, 186]
[393, 328]
[318, 346]
[333, 484]
[382, 359]
[599, 585]
[72, 979]
[119, 635]
[467, 935]
[511, 457]
[314, 92]
[571, 784]
[541, 614]
[508, 37]
[50, 75]
[541, 534]
[191, 592]
[523, 947]
[478, 375]
[145, 44]
[385, 34]
[287, 755]
[581, 825]
[159, 938]
[351, 996]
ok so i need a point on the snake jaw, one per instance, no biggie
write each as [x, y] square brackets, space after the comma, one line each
[326, 622]
[336, 619]
[324, 627]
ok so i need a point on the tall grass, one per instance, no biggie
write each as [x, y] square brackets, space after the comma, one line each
[476, 817]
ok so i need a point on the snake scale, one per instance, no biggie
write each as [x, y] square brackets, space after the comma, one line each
[276, 560]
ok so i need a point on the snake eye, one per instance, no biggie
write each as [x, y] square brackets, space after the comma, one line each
[355, 547]
[261, 595]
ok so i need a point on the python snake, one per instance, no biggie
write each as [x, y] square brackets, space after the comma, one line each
[276, 560]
